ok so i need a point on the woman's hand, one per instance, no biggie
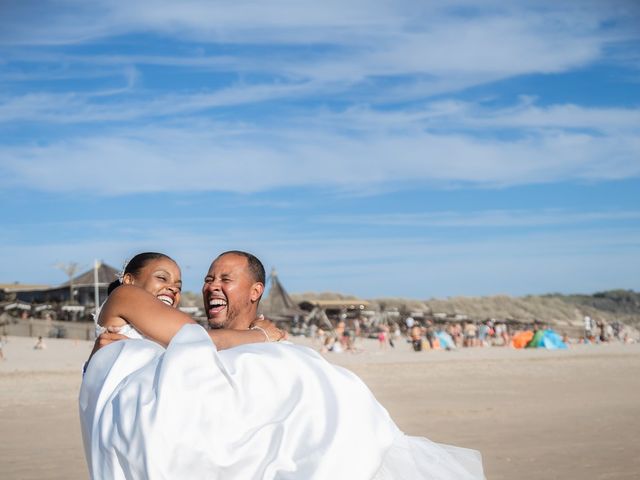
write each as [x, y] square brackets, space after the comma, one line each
[273, 333]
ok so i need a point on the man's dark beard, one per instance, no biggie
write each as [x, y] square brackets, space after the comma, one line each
[231, 316]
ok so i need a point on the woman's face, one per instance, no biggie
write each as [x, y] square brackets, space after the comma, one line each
[160, 277]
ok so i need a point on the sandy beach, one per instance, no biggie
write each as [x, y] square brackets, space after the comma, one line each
[533, 414]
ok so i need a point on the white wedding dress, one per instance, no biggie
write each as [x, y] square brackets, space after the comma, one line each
[259, 411]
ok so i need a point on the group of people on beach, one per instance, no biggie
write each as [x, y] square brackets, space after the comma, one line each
[163, 397]
[425, 334]
[601, 331]
[422, 335]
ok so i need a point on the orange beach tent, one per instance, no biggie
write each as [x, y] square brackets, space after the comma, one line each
[521, 339]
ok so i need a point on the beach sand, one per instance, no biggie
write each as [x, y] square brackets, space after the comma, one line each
[533, 414]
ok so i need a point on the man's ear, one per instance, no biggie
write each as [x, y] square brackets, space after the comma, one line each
[127, 279]
[257, 290]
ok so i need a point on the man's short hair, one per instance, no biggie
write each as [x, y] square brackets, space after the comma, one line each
[255, 265]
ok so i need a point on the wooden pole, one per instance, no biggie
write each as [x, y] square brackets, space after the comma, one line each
[96, 292]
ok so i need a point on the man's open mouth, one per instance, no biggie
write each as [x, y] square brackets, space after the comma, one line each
[217, 305]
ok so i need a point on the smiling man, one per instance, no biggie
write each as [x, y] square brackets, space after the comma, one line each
[232, 290]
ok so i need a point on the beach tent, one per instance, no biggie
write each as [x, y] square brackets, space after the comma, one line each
[536, 341]
[445, 340]
[553, 340]
[546, 339]
[521, 339]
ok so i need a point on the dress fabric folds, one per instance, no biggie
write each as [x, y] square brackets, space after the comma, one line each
[259, 411]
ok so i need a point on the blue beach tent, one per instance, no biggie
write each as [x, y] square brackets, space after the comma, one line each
[546, 339]
[552, 340]
[445, 340]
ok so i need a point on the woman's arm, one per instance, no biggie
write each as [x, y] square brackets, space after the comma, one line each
[160, 322]
[145, 312]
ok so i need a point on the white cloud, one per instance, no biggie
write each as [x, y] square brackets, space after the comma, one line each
[205, 156]
[357, 40]
[450, 115]
[79, 108]
[483, 219]
[430, 49]
[565, 116]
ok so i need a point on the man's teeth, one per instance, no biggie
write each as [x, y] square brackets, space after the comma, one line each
[216, 302]
[166, 299]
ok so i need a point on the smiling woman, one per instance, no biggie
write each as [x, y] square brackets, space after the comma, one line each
[154, 272]
[157, 273]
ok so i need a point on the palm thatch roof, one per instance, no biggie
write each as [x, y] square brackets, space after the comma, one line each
[106, 275]
[278, 305]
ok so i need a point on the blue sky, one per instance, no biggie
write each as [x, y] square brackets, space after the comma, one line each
[418, 149]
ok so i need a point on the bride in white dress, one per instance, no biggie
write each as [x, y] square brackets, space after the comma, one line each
[256, 411]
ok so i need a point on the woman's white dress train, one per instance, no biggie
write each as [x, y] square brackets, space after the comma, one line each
[259, 411]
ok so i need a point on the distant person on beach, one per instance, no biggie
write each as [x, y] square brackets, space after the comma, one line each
[457, 335]
[40, 345]
[192, 411]
[506, 334]
[602, 325]
[609, 332]
[430, 334]
[470, 334]
[396, 335]
[383, 333]
[416, 338]
[483, 334]
[342, 336]
[391, 335]
[409, 322]
[332, 343]
[356, 327]
[588, 328]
